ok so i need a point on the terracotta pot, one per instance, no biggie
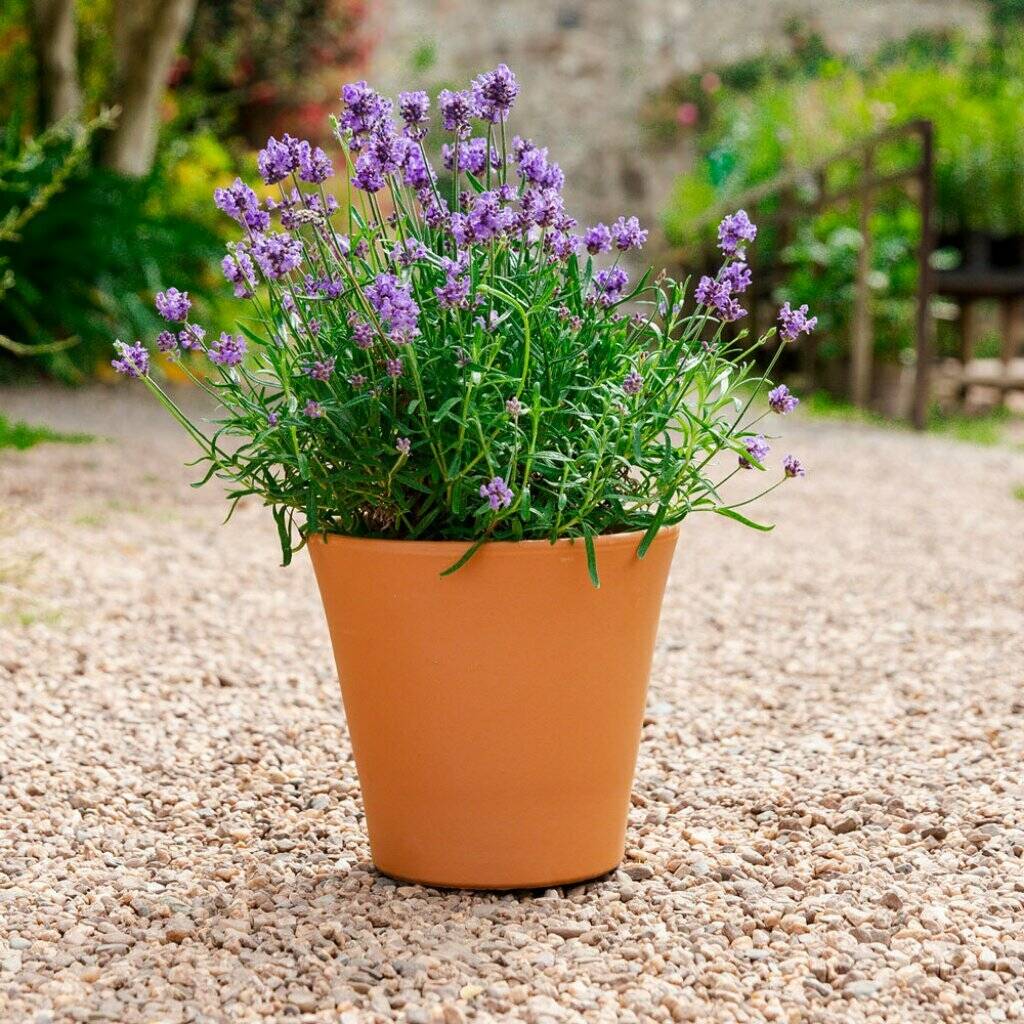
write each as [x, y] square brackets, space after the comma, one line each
[495, 713]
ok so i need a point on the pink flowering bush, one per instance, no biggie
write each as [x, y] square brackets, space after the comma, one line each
[453, 357]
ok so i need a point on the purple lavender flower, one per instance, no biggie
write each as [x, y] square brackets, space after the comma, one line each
[388, 149]
[277, 254]
[757, 448]
[561, 245]
[415, 171]
[174, 305]
[497, 493]
[793, 466]
[278, 159]
[403, 446]
[781, 401]
[736, 276]
[598, 239]
[454, 293]
[134, 361]
[239, 270]
[321, 369]
[608, 285]
[228, 350]
[544, 206]
[314, 164]
[628, 234]
[488, 217]
[734, 232]
[408, 251]
[191, 337]
[364, 109]
[357, 380]
[368, 176]
[533, 166]
[414, 107]
[494, 93]
[514, 407]
[362, 332]
[456, 111]
[166, 341]
[393, 367]
[398, 312]
[633, 383]
[794, 322]
[717, 295]
[473, 156]
[242, 204]
[313, 409]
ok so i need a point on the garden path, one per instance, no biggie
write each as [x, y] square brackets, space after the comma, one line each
[828, 812]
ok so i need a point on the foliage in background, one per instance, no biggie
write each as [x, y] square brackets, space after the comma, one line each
[21, 436]
[753, 121]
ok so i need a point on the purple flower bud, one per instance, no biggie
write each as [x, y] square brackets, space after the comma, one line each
[134, 361]
[608, 285]
[494, 93]
[457, 108]
[314, 164]
[273, 419]
[239, 202]
[781, 401]
[628, 234]
[734, 232]
[321, 369]
[403, 446]
[191, 337]
[393, 367]
[314, 410]
[598, 239]
[166, 341]
[277, 254]
[228, 350]
[793, 466]
[278, 159]
[632, 383]
[736, 276]
[497, 493]
[364, 109]
[357, 380]
[413, 108]
[794, 322]
[398, 311]
[514, 408]
[174, 305]
[758, 449]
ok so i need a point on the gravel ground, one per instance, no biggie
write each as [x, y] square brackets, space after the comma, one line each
[827, 823]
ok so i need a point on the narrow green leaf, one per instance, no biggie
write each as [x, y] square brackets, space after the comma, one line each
[733, 514]
[588, 540]
[466, 556]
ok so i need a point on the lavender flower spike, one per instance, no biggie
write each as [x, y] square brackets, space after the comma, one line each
[494, 93]
[632, 383]
[781, 400]
[497, 493]
[628, 234]
[134, 361]
[793, 467]
[598, 239]
[403, 446]
[413, 106]
[734, 232]
[173, 305]
[228, 350]
[456, 110]
[794, 322]
[758, 449]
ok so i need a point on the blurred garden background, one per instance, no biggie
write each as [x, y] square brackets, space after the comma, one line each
[119, 119]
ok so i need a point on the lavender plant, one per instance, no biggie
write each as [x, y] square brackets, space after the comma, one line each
[449, 359]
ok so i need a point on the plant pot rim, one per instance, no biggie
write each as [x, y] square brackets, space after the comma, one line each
[603, 540]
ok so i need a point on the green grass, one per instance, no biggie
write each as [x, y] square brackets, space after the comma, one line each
[24, 435]
[1018, 492]
[983, 428]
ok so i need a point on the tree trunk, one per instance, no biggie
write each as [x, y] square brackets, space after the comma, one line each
[54, 42]
[146, 36]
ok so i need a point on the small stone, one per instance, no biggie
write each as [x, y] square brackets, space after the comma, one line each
[178, 928]
[302, 999]
[861, 989]
[848, 823]
[638, 872]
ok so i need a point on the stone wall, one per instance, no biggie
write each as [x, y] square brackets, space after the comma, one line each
[587, 65]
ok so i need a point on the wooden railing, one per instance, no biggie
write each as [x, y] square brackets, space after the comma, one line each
[790, 205]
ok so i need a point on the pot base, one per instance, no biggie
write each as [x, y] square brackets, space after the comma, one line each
[497, 887]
